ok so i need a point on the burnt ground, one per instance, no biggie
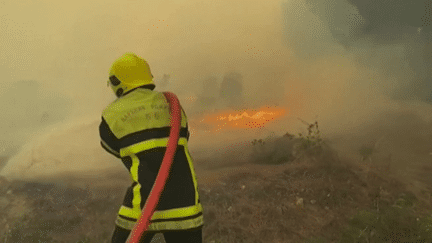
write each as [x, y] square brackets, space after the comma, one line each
[312, 196]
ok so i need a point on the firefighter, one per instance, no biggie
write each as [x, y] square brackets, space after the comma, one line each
[135, 128]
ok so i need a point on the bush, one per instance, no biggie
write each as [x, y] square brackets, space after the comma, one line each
[312, 139]
[272, 150]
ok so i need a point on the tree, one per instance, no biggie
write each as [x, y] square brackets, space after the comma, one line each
[231, 89]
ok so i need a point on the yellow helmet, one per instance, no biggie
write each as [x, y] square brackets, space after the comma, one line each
[129, 72]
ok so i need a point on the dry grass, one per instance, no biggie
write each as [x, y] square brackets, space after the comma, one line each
[318, 199]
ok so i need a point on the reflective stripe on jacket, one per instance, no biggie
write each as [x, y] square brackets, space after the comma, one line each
[135, 128]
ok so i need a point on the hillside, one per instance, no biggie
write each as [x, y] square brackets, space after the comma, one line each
[310, 196]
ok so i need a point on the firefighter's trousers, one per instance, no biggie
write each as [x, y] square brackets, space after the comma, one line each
[120, 235]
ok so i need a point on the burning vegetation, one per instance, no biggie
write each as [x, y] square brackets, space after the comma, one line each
[248, 118]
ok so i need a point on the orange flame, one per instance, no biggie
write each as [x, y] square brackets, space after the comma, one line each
[250, 118]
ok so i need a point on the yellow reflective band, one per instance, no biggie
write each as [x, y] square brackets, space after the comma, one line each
[129, 212]
[125, 224]
[109, 148]
[177, 225]
[177, 212]
[148, 144]
[136, 198]
[134, 167]
[167, 225]
[192, 169]
[164, 214]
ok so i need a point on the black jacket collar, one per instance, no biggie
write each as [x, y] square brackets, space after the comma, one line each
[149, 87]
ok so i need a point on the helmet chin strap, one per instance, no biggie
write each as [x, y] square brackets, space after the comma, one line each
[119, 92]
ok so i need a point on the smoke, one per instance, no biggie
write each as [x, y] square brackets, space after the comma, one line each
[389, 36]
[27, 107]
[164, 81]
[342, 62]
[355, 58]
[231, 89]
[364, 67]
[67, 49]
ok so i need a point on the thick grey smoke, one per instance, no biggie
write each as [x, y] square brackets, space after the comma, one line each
[390, 37]
[338, 61]
[164, 81]
[28, 106]
[407, 23]
[367, 67]
[355, 60]
[231, 89]
[67, 48]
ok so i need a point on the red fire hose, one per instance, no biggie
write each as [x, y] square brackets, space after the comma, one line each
[153, 199]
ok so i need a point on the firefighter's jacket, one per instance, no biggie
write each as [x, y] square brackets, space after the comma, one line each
[135, 128]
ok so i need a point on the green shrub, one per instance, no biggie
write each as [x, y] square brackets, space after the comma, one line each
[309, 140]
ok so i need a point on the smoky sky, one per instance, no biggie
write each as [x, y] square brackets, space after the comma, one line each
[55, 56]
[406, 22]
[390, 36]
[311, 56]
[334, 60]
